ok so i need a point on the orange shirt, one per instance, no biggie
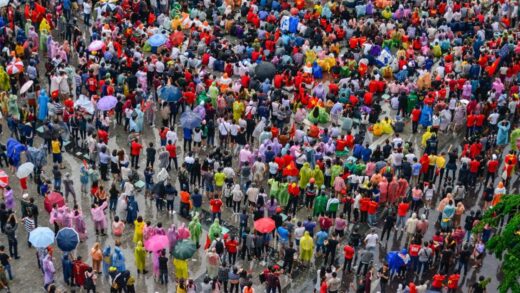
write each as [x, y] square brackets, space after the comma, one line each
[185, 197]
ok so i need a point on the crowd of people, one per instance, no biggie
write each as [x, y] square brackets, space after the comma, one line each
[346, 123]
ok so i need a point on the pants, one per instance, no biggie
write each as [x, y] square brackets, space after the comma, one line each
[287, 265]
[364, 266]
[57, 184]
[386, 230]
[135, 161]
[163, 276]
[159, 204]
[169, 205]
[185, 209]
[112, 203]
[215, 215]
[415, 124]
[236, 206]
[187, 142]
[67, 191]
[96, 265]
[8, 270]
[232, 257]
[103, 169]
[490, 175]
[293, 202]
[332, 254]
[463, 265]
[175, 162]
[13, 248]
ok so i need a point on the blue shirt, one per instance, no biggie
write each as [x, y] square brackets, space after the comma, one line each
[416, 169]
[284, 233]
[321, 237]
[309, 226]
[196, 199]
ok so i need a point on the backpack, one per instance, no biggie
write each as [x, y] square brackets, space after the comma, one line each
[219, 247]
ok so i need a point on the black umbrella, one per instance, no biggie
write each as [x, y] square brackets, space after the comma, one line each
[265, 70]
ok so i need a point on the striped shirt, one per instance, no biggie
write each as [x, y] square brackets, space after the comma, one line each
[28, 224]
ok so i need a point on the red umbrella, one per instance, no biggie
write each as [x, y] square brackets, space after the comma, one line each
[52, 199]
[265, 225]
[4, 179]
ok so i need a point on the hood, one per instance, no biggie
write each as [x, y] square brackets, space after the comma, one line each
[107, 251]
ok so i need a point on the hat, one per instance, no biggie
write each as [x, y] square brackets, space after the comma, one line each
[25, 196]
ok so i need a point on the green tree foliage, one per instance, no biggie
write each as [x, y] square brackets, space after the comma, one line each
[505, 244]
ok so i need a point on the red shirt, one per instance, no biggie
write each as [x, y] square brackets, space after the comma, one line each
[492, 166]
[349, 251]
[363, 204]
[473, 166]
[414, 249]
[372, 207]
[453, 281]
[416, 114]
[135, 148]
[437, 281]
[232, 246]
[215, 205]
[402, 209]
[325, 223]
[172, 149]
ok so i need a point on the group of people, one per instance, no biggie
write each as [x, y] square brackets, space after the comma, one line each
[346, 123]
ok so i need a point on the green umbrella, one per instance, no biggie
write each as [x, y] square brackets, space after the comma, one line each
[184, 249]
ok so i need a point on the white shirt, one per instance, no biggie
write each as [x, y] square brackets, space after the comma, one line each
[87, 8]
[371, 240]
[171, 136]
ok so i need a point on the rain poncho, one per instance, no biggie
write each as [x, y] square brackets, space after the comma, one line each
[118, 260]
[503, 133]
[195, 229]
[43, 110]
[306, 246]
[426, 116]
[515, 139]
[320, 204]
[426, 136]
[181, 268]
[107, 260]
[140, 256]
[215, 230]
[138, 231]
[5, 85]
[13, 107]
[318, 176]
[14, 149]
[305, 175]
[318, 115]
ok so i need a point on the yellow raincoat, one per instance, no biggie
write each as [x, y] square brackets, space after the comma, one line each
[138, 231]
[387, 126]
[238, 110]
[425, 137]
[44, 25]
[377, 130]
[181, 268]
[310, 56]
[140, 257]
[307, 246]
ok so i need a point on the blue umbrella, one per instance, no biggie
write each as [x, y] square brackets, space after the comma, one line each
[67, 239]
[170, 93]
[157, 40]
[190, 119]
[41, 237]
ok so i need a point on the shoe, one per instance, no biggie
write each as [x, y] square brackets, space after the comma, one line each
[16, 257]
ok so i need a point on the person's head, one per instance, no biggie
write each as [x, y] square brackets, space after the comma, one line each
[116, 219]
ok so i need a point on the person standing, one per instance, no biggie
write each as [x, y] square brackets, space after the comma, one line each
[330, 248]
[163, 267]
[5, 261]
[68, 185]
[349, 256]
[97, 256]
[384, 277]
[135, 151]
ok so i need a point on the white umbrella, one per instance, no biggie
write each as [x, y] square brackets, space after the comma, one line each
[26, 86]
[3, 3]
[25, 170]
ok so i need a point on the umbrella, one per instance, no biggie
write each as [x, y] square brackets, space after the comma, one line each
[26, 86]
[108, 7]
[190, 119]
[170, 93]
[96, 45]
[52, 199]
[15, 67]
[157, 40]
[4, 179]
[184, 249]
[265, 70]
[157, 243]
[84, 103]
[4, 3]
[264, 225]
[25, 170]
[107, 103]
[41, 237]
[37, 156]
[67, 239]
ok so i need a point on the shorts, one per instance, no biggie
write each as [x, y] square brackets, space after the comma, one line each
[56, 158]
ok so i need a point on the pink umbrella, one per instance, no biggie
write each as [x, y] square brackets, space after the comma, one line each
[15, 67]
[96, 45]
[4, 179]
[157, 243]
[183, 232]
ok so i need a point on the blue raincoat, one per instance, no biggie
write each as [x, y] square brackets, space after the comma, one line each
[66, 263]
[426, 116]
[118, 260]
[14, 149]
[503, 133]
[43, 110]
[107, 260]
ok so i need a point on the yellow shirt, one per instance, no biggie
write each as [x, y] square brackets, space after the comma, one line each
[56, 147]
[219, 179]
[433, 159]
[441, 162]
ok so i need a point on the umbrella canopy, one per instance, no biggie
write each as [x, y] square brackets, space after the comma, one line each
[52, 199]
[170, 93]
[15, 67]
[157, 40]
[26, 86]
[265, 70]
[37, 156]
[184, 249]
[107, 103]
[4, 179]
[108, 7]
[84, 103]
[67, 239]
[96, 45]
[41, 237]
[157, 243]
[25, 170]
[190, 119]
[264, 225]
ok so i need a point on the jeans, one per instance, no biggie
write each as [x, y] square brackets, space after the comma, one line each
[134, 161]
[8, 270]
[13, 248]
[400, 222]
[371, 219]
[112, 203]
[57, 184]
[215, 215]
[169, 205]
[159, 204]
[463, 264]
[422, 265]
[163, 276]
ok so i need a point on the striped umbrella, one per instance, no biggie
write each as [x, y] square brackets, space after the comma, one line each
[15, 67]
